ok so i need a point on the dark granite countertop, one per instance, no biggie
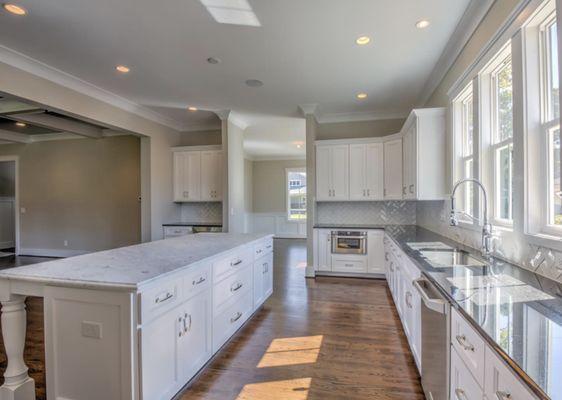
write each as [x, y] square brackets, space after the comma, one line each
[213, 224]
[517, 311]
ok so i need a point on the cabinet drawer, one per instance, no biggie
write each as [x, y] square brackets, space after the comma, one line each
[233, 287]
[500, 381]
[356, 264]
[263, 248]
[174, 231]
[230, 320]
[469, 345]
[463, 384]
[235, 261]
[197, 281]
[159, 299]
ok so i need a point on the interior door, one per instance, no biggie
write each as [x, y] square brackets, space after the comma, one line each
[357, 171]
[393, 170]
[339, 165]
[323, 172]
[374, 171]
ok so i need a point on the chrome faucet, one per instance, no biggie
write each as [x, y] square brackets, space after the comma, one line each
[486, 226]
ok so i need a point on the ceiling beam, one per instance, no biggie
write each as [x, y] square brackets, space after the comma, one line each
[14, 137]
[9, 106]
[59, 124]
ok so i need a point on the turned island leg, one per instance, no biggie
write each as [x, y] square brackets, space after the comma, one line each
[17, 383]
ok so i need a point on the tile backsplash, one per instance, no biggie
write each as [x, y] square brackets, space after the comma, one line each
[373, 212]
[201, 212]
[434, 215]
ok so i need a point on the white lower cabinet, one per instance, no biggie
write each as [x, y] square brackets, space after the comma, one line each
[463, 385]
[500, 383]
[375, 252]
[263, 279]
[323, 249]
[175, 346]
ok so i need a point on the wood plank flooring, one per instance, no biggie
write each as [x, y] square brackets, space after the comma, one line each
[317, 339]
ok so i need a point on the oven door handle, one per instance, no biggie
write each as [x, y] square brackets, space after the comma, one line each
[349, 237]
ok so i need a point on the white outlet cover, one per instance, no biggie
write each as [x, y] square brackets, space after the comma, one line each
[92, 329]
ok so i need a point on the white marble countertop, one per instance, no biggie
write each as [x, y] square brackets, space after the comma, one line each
[128, 268]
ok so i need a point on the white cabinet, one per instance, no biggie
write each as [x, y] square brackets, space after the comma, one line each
[197, 175]
[500, 383]
[424, 155]
[463, 385]
[323, 249]
[375, 252]
[366, 171]
[332, 172]
[393, 170]
[263, 279]
[175, 346]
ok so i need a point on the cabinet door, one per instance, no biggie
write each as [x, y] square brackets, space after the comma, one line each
[463, 384]
[410, 162]
[259, 276]
[500, 382]
[416, 327]
[323, 172]
[268, 276]
[211, 175]
[374, 171]
[324, 250]
[357, 172]
[194, 344]
[187, 176]
[393, 170]
[161, 375]
[339, 165]
[375, 253]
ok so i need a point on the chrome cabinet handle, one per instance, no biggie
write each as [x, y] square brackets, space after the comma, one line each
[459, 394]
[265, 268]
[235, 263]
[159, 299]
[269, 246]
[236, 286]
[200, 281]
[501, 395]
[408, 297]
[349, 265]
[412, 189]
[236, 317]
[368, 192]
[403, 189]
[461, 339]
[391, 266]
[186, 194]
[186, 327]
[385, 256]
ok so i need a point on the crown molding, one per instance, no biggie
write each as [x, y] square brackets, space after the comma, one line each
[469, 22]
[360, 116]
[222, 114]
[42, 70]
[236, 120]
[308, 109]
[254, 158]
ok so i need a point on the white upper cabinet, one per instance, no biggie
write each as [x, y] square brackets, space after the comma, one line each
[197, 175]
[366, 171]
[332, 172]
[424, 155]
[393, 170]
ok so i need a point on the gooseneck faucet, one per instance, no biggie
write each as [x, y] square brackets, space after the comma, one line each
[486, 226]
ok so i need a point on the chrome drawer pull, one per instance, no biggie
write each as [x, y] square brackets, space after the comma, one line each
[412, 189]
[235, 263]
[163, 299]
[459, 394]
[236, 317]
[237, 287]
[501, 395]
[464, 343]
[259, 251]
[186, 328]
[349, 265]
[200, 281]
[265, 268]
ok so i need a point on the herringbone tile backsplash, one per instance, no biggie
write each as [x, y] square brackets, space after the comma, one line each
[373, 212]
[201, 212]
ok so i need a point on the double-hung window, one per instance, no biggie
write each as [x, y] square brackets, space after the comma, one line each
[296, 194]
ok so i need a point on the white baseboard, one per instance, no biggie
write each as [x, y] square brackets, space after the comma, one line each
[7, 244]
[278, 225]
[51, 252]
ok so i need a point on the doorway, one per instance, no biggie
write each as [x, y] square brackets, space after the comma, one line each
[8, 206]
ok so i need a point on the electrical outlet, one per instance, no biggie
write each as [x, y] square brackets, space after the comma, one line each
[92, 329]
[23, 210]
[66, 243]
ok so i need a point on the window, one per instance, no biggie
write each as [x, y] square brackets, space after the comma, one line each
[296, 194]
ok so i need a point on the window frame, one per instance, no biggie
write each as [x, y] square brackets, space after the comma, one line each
[288, 196]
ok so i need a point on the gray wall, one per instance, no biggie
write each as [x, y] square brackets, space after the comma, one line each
[269, 192]
[358, 129]
[7, 178]
[84, 191]
[201, 138]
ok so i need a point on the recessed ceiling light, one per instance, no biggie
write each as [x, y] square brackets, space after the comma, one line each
[213, 60]
[14, 9]
[254, 83]
[21, 124]
[424, 23]
[363, 40]
[362, 96]
[122, 68]
[192, 108]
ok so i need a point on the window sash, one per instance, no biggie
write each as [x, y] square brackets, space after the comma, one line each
[293, 212]
[496, 190]
[548, 227]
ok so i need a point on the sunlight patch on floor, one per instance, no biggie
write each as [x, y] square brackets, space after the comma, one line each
[301, 264]
[292, 351]
[293, 389]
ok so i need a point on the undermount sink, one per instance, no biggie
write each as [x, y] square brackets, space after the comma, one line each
[450, 258]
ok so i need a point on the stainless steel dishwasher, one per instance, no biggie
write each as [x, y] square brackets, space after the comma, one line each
[436, 341]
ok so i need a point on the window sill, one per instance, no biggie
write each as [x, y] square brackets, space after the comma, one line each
[545, 240]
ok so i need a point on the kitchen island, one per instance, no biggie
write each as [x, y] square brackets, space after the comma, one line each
[136, 322]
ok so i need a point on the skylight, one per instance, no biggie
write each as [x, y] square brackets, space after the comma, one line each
[234, 12]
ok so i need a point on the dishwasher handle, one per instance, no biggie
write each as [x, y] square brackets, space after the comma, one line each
[438, 304]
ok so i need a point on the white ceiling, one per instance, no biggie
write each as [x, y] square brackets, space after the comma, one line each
[304, 52]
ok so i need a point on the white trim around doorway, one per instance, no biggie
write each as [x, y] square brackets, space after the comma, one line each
[15, 159]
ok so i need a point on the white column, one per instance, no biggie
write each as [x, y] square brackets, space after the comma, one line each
[17, 383]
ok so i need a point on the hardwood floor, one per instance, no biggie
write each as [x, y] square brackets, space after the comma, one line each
[328, 339]
[314, 339]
